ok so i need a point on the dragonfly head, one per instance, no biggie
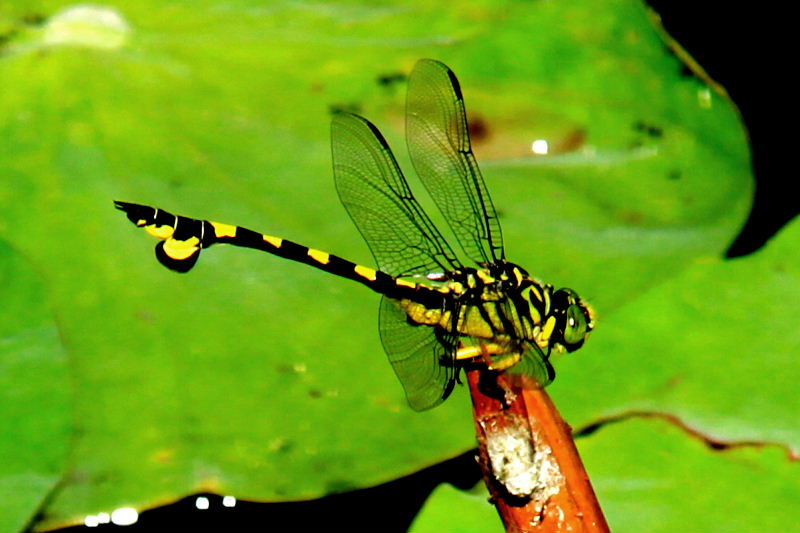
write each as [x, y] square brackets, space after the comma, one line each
[574, 319]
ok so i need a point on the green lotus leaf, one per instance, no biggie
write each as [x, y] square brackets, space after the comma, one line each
[261, 378]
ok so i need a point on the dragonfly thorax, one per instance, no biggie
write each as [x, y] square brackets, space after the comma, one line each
[501, 303]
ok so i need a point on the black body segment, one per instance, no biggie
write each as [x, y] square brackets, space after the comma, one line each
[184, 238]
[437, 313]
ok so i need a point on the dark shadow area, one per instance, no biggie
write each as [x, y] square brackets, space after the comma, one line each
[390, 507]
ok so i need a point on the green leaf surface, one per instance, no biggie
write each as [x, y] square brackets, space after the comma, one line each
[35, 393]
[475, 513]
[261, 378]
[715, 346]
[650, 476]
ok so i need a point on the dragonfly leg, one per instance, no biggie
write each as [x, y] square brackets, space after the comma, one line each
[487, 350]
[469, 352]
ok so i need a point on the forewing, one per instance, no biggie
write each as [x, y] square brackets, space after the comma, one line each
[423, 357]
[438, 142]
[401, 236]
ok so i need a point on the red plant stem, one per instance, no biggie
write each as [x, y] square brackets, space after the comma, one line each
[530, 464]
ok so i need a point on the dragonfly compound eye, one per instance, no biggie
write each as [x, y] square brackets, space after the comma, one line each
[574, 318]
[576, 327]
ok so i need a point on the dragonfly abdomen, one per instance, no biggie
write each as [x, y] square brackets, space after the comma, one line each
[183, 238]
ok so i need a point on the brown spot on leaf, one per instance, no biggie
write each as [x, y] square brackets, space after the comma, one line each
[573, 140]
[478, 128]
[632, 217]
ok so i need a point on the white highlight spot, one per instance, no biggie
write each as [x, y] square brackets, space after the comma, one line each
[540, 147]
[201, 503]
[88, 25]
[704, 98]
[95, 520]
[124, 516]
[229, 501]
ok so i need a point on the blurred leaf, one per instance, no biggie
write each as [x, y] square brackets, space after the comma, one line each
[35, 393]
[650, 477]
[260, 378]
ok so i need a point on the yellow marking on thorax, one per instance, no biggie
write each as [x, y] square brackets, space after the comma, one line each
[162, 232]
[223, 230]
[535, 316]
[181, 249]
[491, 294]
[546, 302]
[485, 277]
[366, 272]
[517, 275]
[274, 241]
[547, 331]
[526, 295]
[494, 317]
[472, 323]
[527, 326]
[319, 256]
[535, 290]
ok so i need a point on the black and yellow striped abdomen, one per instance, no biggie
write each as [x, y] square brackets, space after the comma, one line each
[183, 239]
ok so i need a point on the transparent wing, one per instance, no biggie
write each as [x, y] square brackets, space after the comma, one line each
[401, 236]
[438, 141]
[536, 364]
[423, 357]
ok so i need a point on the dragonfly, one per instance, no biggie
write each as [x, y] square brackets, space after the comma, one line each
[437, 314]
